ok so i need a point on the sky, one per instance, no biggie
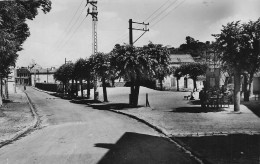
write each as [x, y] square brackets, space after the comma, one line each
[66, 32]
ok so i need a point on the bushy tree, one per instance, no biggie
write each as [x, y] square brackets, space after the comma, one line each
[193, 47]
[231, 42]
[193, 70]
[80, 72]
[134, 65]
[101, 65]
[159, 59]
[64, 74]
[14, 30]
[178, 74]
[251, 48]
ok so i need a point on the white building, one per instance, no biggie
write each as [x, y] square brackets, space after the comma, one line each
[42, 75]
[185, 83]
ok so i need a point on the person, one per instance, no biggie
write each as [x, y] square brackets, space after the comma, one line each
[203, 97]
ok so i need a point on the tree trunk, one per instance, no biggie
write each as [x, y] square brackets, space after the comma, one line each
[136, 95]
[113, 82]
[178, 87]
[246, 87]
[1, 92]
[104, 89]
[194, 85]
[237, 83]
[132, 93]
[161, 84]
[81, 88]
[77, 94]
[251, 78]
[72, 88]
[88, 88]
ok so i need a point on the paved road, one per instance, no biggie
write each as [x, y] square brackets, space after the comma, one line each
[74, 133]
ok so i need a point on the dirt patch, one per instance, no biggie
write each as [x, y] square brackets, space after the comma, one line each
[15, 115]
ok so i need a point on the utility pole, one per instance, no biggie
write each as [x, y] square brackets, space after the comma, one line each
[47, 75]
[94, 14]
[131, 96]
[145, 29]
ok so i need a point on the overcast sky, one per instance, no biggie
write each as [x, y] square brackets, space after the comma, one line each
[66, 32]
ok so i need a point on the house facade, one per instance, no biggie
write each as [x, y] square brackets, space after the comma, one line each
[22, 76]
[170, 82]
[42, 75]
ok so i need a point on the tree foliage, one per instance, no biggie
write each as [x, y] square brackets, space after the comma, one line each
[193, 71]
[159, 59]
[64, 74]
[239, 44]
[101, 65]
[13, 28]
[193, 47]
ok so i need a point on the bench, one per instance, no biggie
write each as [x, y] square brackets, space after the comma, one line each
[187, 97]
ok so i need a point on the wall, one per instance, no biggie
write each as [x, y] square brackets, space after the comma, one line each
[42, 78]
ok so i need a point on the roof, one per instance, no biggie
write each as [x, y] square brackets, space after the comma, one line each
[181, 58]
[43, 71]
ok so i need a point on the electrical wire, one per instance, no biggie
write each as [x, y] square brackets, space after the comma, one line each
[68, 25]
[171, 4]
[76, 29]
[156, 10]
[168, 13]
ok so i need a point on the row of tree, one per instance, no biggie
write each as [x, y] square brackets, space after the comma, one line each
[133, 64]
[236, 49]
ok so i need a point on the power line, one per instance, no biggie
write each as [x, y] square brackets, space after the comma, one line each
[69, 24]
[76, 29]
[168, 13]
[171, 4]
[156, 10]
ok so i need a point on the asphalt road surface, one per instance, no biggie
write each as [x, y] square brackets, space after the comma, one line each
[77, 133]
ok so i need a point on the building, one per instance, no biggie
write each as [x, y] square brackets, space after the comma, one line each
[185, 83]
[22, 76]
[42, 75]
[11, 81]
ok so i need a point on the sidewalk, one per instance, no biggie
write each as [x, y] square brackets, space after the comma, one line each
[16, 117]
[177, 116]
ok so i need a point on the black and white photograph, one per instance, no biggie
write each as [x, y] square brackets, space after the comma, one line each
[129, 81]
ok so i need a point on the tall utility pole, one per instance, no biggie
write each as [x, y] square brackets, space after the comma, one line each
[94, 14]
[131, 42]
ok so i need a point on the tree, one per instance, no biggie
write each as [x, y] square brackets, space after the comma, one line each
[134, 65]
[159, 58]
[80, 72]
[114, 71]
[251, 33]
[14, 30]
[193, 70]
[230, 42]
[178, 74]
[192, 46]
[100, 64]
[65, 74]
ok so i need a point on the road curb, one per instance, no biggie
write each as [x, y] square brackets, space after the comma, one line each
[34, 124]
[164, 132]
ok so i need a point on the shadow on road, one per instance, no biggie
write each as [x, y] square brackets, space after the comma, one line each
[140, 149]
[85, 101]
[254, 106]
[116, 106]
[195, 110]
[237, 148]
